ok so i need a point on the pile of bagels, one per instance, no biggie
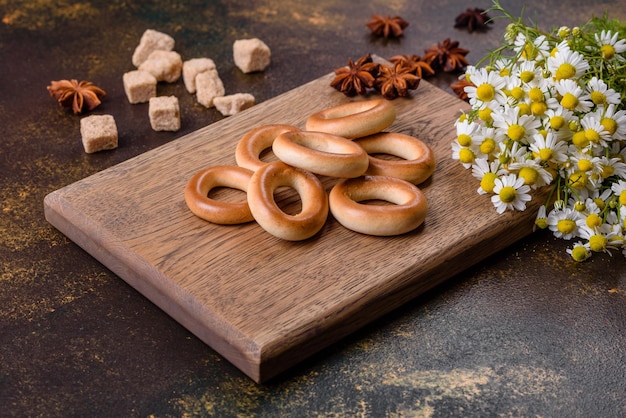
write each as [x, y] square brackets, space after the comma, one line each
[339, 142]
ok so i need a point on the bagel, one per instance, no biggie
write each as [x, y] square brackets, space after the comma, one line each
[353, 119]
[274, 220]
[418, 162]
[219, 212]
[407, 212]
[321, 153]
[254, 142]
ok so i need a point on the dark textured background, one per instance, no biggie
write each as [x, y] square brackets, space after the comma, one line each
[524, 333]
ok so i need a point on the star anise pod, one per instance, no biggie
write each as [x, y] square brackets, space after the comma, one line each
[357, 77]
[446, 56]
[386, 26]
[458, 88]
[418, 67]
[473, 19]
[71, 93]
[396, 81]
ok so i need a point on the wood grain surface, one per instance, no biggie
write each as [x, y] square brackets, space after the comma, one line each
[263, 303]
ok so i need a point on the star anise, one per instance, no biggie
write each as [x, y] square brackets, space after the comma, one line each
[458, 88]
[386, 26]
[357, 77]
[396, 81]
[473, 19]
[446, 56]
[418, 67]
[71, 93]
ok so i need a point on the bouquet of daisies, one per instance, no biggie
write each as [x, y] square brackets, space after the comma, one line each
[549, 110]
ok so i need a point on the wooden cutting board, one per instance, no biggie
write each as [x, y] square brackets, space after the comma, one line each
[263, 303]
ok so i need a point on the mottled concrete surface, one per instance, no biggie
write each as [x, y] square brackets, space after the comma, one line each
[524, 333]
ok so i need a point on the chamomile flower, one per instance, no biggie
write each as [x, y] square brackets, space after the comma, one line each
[528, 71]
[610, 46]
[487, 87]
[567, 65]
[532, 172]
[563, 223]
[541, 220]
[537, 49]
[517, 127]
[612, 167]
[572, 96]
[510, 193]
[600, 93]
[613, 121]
[595, 132]
[549, 149]
[487, 172]
[600, 238]
[579, 252]
[619, 189]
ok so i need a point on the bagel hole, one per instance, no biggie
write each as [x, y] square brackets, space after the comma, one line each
[387, 157]
[268, 156]
[376, 202]
[227, 194]
[288, 200]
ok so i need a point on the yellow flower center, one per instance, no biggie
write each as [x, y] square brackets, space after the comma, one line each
[592, 135]
[517, 93]
[504, 72]
[527, 76]
[608, 51]
[466, 156]
[607, 171]
[565, 71]
[485, 92]
[524, 108]
[508, 194]
[579, 206]
[535, 94]
[542, 223]
[599, 203]
[557, 122]
[578, 180]
[593, 220]
[485, 114]
[546, 153]
[516, 132]
[488, 182]
[580, 139]
[566, 226]
[622, 198]
[538, 108]
[529, 52]
[598, 97]
[569, 101]
[584, 164]
[609, 124]
[529, 174]
[464, 140]
[580, 253]
[487, 146]
[597, 243]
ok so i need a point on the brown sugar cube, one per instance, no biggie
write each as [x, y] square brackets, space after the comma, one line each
[234, 103]
[98, 133]
[251, 55]
[139, 86]
[150, 41]
[193, 67]
[163, 65]
[164, 113]
[208, 86]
